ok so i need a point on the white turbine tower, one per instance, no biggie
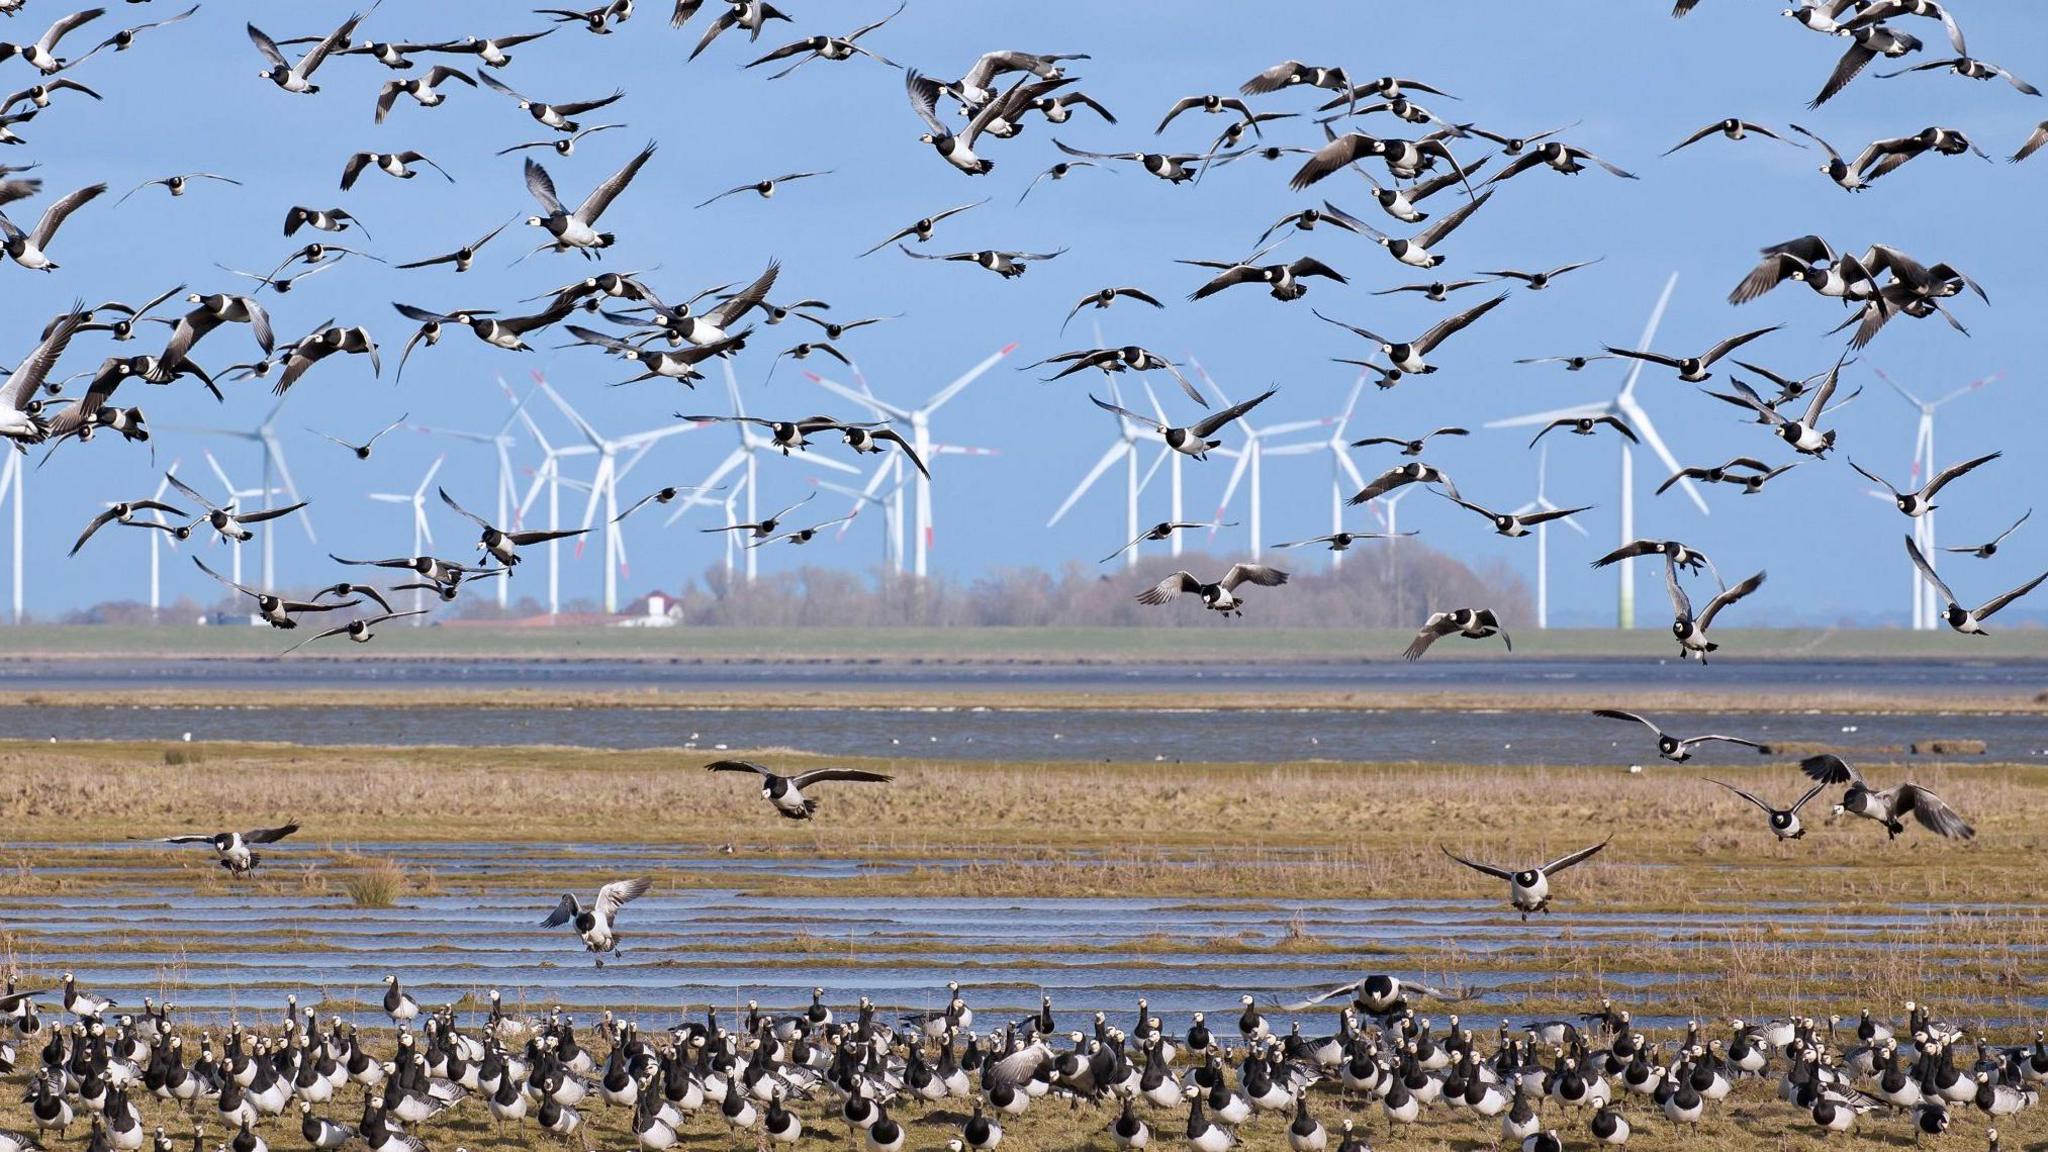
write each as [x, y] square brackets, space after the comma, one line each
[604, 485]
[1542, 504]
[547, 477]
[13, 478]
[752, 443]
[422, 533]
[1174, 513]
[1630, 410]
[1927, 604]
[159, 539]
[1342, 468]
[1124, 448]
[919, 420]
[275, 469]
[1250, 458]
[502, 442]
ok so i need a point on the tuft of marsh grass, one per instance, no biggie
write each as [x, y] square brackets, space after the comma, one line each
[372, 882]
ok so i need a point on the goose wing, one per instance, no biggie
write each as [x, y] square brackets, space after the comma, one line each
[1828, 768]
[1211, 423]
[1728, 597]
[820, 775]
[541, 185]
[602, 196]
[1259, 574]
[1932, 811]
[55, 214]
[737, 766]
[1953, 471]
[1681, 604]
[1169, 588]
[461, 511]
[1318, 998]
[618, 894]
[1752, 797]
[1476, 866]
[1444, 225]
[1126, 413]
[267, 46]
[271, 835]
[1444, 329]
[1927, 570]
[1992, 605]
[1570, 858]
[1873, 477]
[567, 910]
[1618, 714]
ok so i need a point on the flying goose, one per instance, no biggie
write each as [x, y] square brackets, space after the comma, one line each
[229, 523]
[397, 164]
[1410, 447]
[784, 434]
[871, 440]
[800, 535]
[1306, 219]
[1008, 265]
[1836, 169]
[433, 568]
[712, 327]
[42, 54]
[1289, 73]
[1785, 823]
[298, 77]
[21, 420]
[1416, 251]
[974, 90]
[1889, 806]
[837, 329]
[1813, 262]
[1164, 530]
[233, 847]
[1691, 631]
[678, 364]
[563, 145]
[210, 311]
[1571, 363]
[1671, 747]
[1675, 551]
[1342, 541]
[833, 48]
[762, 188]
[1437, 291]
[594, 924]
[1586, 426]
[1989, 549]
[1400, 474]
[1516, 524]
[321, 344]
[1220, 596]
[176, 184]
[752, 15]
[1804, 434]
[1872, 15]
[1918, 503]
[28, 249]
[598, 20]
[425, 90]
[1172, 167]
[1059, 171]
[1211, 104]
[1529, 888]
[323, 219]
[1733, 128]
[1471, 623]
[1568, 159]
[39, 94]
[491, 51]
[765, 527]
[499, 543]
[345, 588]
[556, 116]
[125, 512]
[462, 257]
[578, 229]
[955, 148]
[1968, 621]
[1192, 440]
[1282, 281]
[1538, 281]
[1881, 157]
[1408, 355]
[1970, 69]
[1693, 369]
[921, 230]
[1405, 159]
[2032, 144]
[274, 609]
[786, 792]
[358, 631]
[1130, 358]
[1866, 43]
[1727, 474]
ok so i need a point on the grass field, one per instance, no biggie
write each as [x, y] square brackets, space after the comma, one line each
[1964, 921]
[1191, 641]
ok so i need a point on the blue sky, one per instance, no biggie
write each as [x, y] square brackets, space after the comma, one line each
[187, 98]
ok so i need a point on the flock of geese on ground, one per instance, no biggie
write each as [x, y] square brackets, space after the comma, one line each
[1403, 142]
[887, 1081]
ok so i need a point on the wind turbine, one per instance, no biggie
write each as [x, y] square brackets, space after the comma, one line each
[1626, 406]
[422, 534]
[157, 540]
[1174, 514]
[919, 420]
[1542, 504]
[604, 485]
[1342, 468]
[549, 477]
[13, 479]
[745, 456]
[1124, 448]
[275, 468]
[1249, 459]
[502, 442]
[1926, 603]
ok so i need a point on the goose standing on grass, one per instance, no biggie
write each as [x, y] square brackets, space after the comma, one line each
[1529, 888]
[1220, 596]
[1889, 805]
[82, 1005]
[1471, 623]
[1785, 823]
[1691, 631]
[786, 793]
[398, 1003]
[233, 848]
[595, 924]
[1968, 621]
[1671, 747]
